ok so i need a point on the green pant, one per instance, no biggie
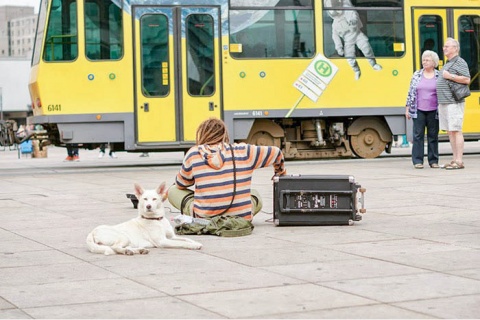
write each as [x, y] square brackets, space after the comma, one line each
[176, 196]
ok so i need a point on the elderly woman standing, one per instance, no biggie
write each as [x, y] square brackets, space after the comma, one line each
[422, 107]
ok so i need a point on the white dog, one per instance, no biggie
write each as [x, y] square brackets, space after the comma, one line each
[149, 230]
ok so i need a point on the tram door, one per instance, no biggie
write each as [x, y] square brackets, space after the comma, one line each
[177, 72]
[432, 27]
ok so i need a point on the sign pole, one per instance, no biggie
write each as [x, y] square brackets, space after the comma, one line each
[294, 106]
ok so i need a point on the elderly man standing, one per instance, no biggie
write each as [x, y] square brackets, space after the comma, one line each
[450, 111]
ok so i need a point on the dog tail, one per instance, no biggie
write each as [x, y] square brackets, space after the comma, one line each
[94, 247]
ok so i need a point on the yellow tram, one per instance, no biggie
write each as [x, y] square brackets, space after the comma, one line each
[142, 74]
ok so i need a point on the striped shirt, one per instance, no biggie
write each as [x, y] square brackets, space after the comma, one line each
[456, 66]
[210, 169]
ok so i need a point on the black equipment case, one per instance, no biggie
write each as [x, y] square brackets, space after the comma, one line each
[309, 200]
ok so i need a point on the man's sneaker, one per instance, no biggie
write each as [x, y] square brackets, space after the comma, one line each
[68, 159]
[101, 154]
[76, 158]
[113, 155]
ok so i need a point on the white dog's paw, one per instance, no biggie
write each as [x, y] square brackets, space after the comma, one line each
[143, 251]
[196, 245]
[129, 252]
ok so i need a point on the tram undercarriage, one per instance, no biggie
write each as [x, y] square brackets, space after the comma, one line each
[364, 137]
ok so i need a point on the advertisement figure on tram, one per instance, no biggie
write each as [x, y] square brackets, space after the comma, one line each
[347, 33]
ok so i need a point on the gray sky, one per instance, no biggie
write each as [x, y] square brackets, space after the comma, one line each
[31, 3]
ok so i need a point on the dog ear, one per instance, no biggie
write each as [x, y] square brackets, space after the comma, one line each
[138, 190]
[161, 191]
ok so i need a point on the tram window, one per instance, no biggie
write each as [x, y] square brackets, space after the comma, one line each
[103, 30]
[377, 3]
[154, 55]
[378, 33]
[270, 3]
[61, 43]
[37, 47]
[272, 33]
[469, 38]
[200, 55]
[431, 34]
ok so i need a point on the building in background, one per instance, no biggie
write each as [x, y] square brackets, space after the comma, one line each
[22, 36]
[17, 24]
[17, 36]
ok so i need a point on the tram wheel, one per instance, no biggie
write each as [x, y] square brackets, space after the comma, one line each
[367, 144]
[262, 139]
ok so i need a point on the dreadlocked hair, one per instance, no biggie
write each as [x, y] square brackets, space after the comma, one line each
[212, 131]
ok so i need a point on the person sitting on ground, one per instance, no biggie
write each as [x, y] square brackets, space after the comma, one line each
[222, 174]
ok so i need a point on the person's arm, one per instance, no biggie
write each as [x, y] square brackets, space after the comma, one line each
[412, 93]
[460, 74]
[184, 178]
[338, 43]
[265, 156]
[456, 78]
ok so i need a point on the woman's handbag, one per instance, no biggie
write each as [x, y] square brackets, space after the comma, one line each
[459, 90]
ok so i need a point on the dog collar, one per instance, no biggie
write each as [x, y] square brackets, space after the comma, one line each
[159, 218]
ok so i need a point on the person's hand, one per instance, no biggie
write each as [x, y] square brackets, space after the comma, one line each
[278, 174]
[446, 75]
[407, 115]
